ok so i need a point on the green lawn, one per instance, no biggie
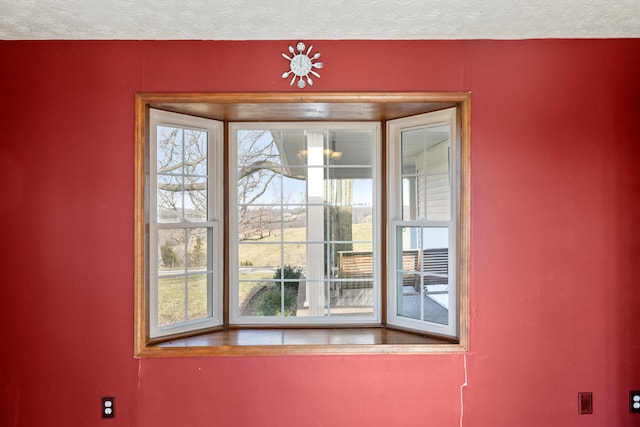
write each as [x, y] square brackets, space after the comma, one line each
[171, 291]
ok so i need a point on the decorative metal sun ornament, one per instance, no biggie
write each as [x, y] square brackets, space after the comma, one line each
[301, 65]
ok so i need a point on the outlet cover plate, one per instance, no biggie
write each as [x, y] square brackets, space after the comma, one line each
[585, 403]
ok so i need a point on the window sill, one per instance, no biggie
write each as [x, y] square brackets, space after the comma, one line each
[276, 342]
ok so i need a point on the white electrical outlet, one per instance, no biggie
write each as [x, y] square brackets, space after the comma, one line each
[108, 407]
[634, 401]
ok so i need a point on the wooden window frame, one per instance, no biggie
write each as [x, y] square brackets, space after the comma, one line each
[352, 106]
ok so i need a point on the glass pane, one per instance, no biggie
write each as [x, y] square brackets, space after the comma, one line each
[363, 189]
[258, 222]
[294, 224]
[322, 205]
[198, 249]
[268, 299]
[195, 152]
[313, 298]
[171, 244]
[294, 186]
[350, 147]
[264, 257]
[289, 279]
[198, 296]
[171, 300]
[426, 188]
[423, 273]
[355, 266]
[295, 255]
[251, 281]
[274, 300]
[169, 199]
[259, 185]
[248, 296]
[293, 145]
[257, 147]
[408, 298]
[169, 151]
[437, 180]
[409, 200]
[195, 199]
[352, 299]
[438, 198]
[437, 160]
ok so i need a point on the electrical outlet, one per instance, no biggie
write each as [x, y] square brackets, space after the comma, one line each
[585, 403]
[108, 407]
[634, 401]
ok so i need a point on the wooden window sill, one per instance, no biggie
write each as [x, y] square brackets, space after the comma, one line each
[256, 342]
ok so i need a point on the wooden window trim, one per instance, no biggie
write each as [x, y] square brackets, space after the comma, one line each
[350, 106]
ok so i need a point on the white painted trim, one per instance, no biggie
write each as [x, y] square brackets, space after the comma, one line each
[394, 219]
[234, 315]
[214, 131]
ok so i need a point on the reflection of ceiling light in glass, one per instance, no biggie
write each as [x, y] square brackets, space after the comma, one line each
[333, 155]
[330, 152]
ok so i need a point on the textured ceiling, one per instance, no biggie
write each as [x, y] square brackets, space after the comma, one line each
[317, 19]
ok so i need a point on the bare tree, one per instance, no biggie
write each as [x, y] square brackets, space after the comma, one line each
[182, 184]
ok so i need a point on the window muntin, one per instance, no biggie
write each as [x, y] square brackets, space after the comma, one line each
[304, 197]
[422, 274]
[185, 284]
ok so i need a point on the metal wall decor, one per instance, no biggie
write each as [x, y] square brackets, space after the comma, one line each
[301, 65]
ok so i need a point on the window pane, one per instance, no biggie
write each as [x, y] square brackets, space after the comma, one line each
[195, 152]
[423, 273]
[352, 291]
[350, 147]
[195, 199]
[171, 244]
[170, 146]
[171, 300]
[303, 197]
[270, 293]
[438, 191]
[426, 189]
[438, 198]
[294, 223]
[411, 148]
[257, 147]
[354, 298]
[294, 186]
[169, 198]
[259, 185]
[294, 255]
[273, 299]
[198, 248]
[259, 256]
[198, 296]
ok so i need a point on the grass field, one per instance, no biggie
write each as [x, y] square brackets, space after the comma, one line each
[262, 254]
[266, 252]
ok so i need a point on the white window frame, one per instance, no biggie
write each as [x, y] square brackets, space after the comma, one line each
[234, 316]
[215, 249]
[395, 220]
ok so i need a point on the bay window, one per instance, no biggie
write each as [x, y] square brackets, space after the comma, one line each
[272, 224]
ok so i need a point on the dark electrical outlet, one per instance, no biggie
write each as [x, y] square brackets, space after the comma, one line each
[634, 401]
[108, 407]
[585, 403]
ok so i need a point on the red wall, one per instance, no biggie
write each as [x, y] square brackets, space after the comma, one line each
[555, 244]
